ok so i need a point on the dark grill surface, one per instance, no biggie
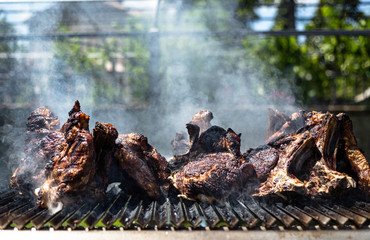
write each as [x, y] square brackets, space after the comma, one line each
[120, 211]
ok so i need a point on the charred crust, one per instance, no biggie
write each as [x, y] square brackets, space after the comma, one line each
[76, 108]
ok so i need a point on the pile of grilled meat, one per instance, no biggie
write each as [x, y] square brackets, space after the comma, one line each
[308, 153]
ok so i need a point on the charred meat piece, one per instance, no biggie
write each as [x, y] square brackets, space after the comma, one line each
[352, 154]
[42, 121]
[213, 140]
[40, 144]
[212, 177]
[325, 129]
[326, 182]
[215, 166]
[142, 163]
[202, 119]
[335, 140]
[297, 156]
[181, 144]
[31, 172]
[76, 119]
[73, 165]
[104, 136]
[178, 161]
[276, 120]
[324, 179]
[292, 124]
[263, 159]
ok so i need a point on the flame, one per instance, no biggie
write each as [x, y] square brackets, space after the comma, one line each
[84, 121]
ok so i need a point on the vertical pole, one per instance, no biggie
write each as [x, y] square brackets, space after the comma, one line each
[154, 61]
[154, 81]
[291, 14]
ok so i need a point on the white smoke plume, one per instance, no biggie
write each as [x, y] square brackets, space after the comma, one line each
[196, 72]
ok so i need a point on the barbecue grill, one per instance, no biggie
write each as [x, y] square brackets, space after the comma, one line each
[240, 216]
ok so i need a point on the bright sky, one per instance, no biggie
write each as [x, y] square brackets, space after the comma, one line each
[17, 13]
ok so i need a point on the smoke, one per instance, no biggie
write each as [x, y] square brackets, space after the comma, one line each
[196, 72]
[216, 73]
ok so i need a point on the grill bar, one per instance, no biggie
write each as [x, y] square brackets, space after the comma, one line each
[7, 195]
[113, 212]
[177, 216]
[322, 219]
[11, 205]
[59, 218]
[267, 219]
[161, 213]
[41, 219]
[23, 218]
[130, 212]
[209, 214]
[146, 213]
[357, 219]
[302, 217]
[245, 215]
[339, 219]
[365, 206]
[226, 215]
[360, 212]
[7, 217]
[7, 198]
[282, 216]
[77, 217]
[192, 214]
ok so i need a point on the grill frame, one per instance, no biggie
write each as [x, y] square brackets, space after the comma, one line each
[185, 235]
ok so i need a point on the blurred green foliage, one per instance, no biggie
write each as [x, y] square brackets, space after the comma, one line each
[6, 46]
[12, 76]
[325, 69]
[118, 67]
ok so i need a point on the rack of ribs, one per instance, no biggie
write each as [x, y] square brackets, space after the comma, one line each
[339, 160]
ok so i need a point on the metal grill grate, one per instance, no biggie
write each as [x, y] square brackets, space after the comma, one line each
[120, 211]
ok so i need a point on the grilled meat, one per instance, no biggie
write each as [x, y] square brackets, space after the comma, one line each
[40, 144]
[276, 120]
[73, 165]
[277, 130]
[104, 136]
[212, 176]
[211, 141]
[324, 179]
[214, 165]
[340, 158]
[352, 155]
[326, 182]
[263, 159]
[180, 145]
[297, 156]
[202, 119]
[142, 163]
[325, 129]
[42, 121]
